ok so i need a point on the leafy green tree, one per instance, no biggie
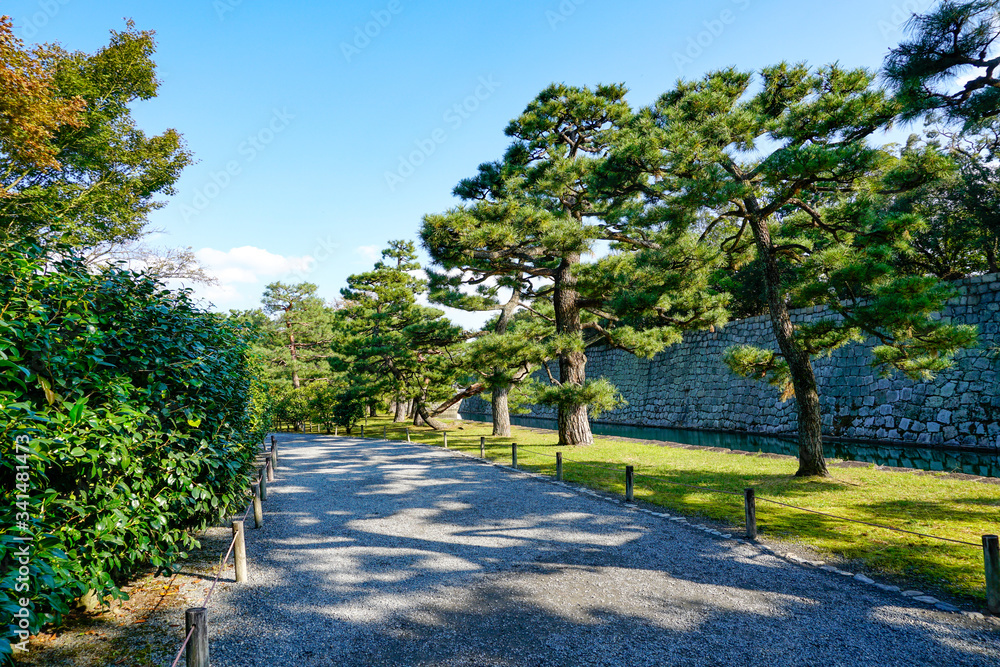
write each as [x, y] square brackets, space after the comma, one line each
[302, 331]
[790, 168]
[388, 344]
[532, 217]
[31, 108]
[73, 152]
[955, 40]
[291, 405]
[348, 407]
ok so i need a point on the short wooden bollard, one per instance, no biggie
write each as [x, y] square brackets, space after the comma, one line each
[558, 466]
[240, 552]
[513, 455]
[263, 485]
[408, 434]
[258, 509]
[629, 484]
[750, 510]
[197, 648]
[362, 430]
[444, 434]
[274, 455]
[991, 560]
[383, 432]
[269, 470]
[482, 446]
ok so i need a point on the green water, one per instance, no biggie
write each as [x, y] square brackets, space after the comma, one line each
[984, 463]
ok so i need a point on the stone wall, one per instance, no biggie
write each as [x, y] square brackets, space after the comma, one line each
[688, 386]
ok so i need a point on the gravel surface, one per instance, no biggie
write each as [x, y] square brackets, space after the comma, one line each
[387, 553]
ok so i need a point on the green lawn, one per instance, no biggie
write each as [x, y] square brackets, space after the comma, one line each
[927, 503]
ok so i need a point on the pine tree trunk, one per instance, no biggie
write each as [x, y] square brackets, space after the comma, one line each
[501, 412]
[811, 461]
[574, 424]
[296, 383]
[400, 410]
[425, 418]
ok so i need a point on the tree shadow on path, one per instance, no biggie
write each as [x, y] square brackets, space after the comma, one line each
[377, 553]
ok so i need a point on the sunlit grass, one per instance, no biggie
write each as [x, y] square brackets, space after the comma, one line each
[927, 503]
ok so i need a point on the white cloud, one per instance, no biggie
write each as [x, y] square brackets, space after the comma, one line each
[370, 252]
[249, 264]
[242, 273]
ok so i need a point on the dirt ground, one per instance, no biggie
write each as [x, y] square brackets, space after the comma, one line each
[144, 631]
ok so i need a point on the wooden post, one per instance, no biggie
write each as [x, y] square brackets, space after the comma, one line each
[991, 560]
[444, 434]
[513, 455]
[258, 509]
[362, 430]
[558, 466]
[482, 446]
[750, 507]
[629, 484]
[383, 431]
[197, 648]
[263, 486]
[408, 434]
[269, 470]
[336, 429]
[240, 553]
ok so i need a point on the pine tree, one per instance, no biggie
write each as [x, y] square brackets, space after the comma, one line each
[789, 175]
[535, 215]
[955, 40]
[387, 343]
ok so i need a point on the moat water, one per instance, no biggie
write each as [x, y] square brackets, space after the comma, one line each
[984, 463]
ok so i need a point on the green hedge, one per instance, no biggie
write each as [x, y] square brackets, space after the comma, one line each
[140, 417]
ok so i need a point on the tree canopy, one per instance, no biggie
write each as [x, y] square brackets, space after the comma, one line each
[72, 159]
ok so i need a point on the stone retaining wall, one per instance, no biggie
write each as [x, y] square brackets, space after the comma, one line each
[688, 386]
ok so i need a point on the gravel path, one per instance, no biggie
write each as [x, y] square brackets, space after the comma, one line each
[387, 553]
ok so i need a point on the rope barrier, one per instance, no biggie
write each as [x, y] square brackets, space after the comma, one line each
[525, 449]
[766, 500]
[866, 523]
[180, 653]
[690, 486]
[218, 573]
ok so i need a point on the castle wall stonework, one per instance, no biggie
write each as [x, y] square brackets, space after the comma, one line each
[688, 386]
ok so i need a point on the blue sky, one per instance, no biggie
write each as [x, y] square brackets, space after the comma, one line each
[323, 130]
